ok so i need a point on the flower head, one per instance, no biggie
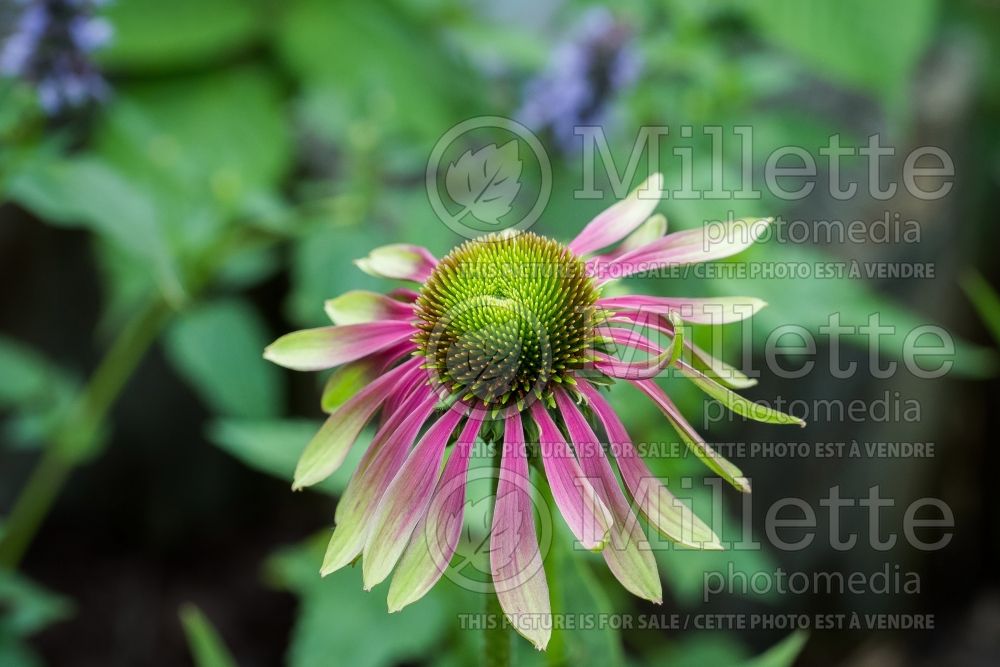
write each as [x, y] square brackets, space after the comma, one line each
[51, 47]
[509, 337]
[582, 77]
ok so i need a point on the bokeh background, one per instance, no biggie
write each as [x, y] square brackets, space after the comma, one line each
[184, 181]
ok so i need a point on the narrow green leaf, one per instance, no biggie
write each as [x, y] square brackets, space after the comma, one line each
[273, 446]
[985, 300]
[207, 647]
[26, 607]
[782, 654]
[337, 618]
[217, 348]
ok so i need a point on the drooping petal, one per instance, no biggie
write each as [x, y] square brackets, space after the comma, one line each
[627, 554]
[578, 503]
[661, 508]
[326, 347]
[718, 370]
[719, 310]
[688, 247]
[405, 501]
[720, 464]
[713, 367]
[516, 565]
[618, 221]
[328, 448]
[436, 536]
[375, 471]
[361, 306]
[630, 338]
[649, 368]
[735, 402]
[400, 261]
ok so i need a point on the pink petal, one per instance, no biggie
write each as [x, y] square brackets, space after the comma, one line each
[400, 261]
[579, 504]
[403, 391]
[360, 306]
[621, 219]
[436, 536]
[328, 448]
[405, 295]
[688, 247]
[721, 310]
[733, 401]
[375, 471]
[628, 554]
[713, 367]
[642, 369]
[663, 511]
[326, 347]
[406, 501]
[631, 338]
[518, 576]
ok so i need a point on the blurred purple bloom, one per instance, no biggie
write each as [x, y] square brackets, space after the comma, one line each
[50, 48]
[583, 75]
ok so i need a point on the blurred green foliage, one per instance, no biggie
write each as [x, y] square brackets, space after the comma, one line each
[252, 139]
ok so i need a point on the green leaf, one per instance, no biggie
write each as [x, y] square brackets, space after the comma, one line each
[338, 618]
[848, 40]
[985, 300]
[39, 393]
[580, 592]
[219, 137]
[782, 654]
[207, 647]
[217, 347]
[26, 608]
[698, 650]
[89, 192]
[376, 59]
[322, 267]
[152, 35]
[273, 446]
[15, 653]
[806, 302]
[26, 375]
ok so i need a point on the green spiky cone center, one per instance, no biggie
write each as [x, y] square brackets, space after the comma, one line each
[507, 317]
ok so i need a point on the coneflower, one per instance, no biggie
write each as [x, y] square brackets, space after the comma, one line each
[508, 338]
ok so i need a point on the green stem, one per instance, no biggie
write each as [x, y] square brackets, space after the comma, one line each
[497, 636]
[79, 434]
[553, 563]
[76, 438]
